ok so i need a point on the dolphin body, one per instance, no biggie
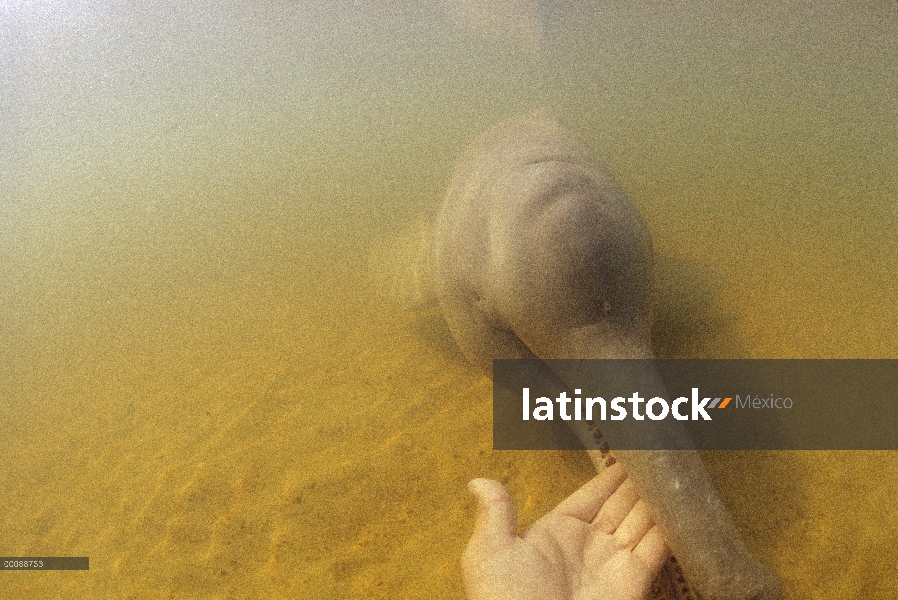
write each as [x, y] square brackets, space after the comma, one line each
[537, 253]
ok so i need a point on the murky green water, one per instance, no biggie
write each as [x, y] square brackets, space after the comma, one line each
[199, 391]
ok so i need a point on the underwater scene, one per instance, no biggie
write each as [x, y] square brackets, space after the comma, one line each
[223, 369]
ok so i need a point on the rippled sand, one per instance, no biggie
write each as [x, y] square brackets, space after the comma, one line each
[307, 442]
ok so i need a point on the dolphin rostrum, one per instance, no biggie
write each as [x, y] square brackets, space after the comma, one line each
[537, 253]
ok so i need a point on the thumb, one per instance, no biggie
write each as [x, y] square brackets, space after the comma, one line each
[497, 517]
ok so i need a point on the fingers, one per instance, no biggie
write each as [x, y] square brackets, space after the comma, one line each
[639, 533]
[497, 517]
[635, 526]
[585, 503]
[652, 550]
[616, 508]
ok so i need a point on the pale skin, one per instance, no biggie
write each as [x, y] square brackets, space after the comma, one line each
[598, 544]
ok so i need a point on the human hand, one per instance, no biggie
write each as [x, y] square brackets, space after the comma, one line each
[598, 544]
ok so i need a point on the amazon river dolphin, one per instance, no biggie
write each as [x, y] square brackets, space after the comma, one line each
[537, 253]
